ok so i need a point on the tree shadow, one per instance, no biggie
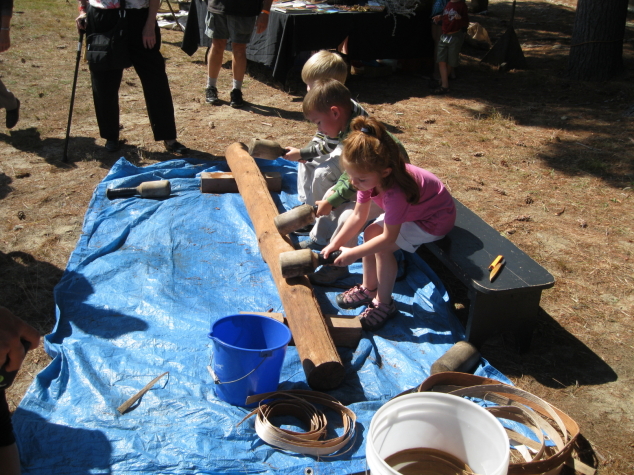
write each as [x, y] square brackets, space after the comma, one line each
[540, 97]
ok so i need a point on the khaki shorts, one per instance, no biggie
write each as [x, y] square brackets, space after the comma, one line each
[224, 27]
[449, 48]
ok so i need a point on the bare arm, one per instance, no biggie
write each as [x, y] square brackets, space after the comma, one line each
[351, 227]
[383, 242]
[149, 33]
[80, 21]
[263, 18]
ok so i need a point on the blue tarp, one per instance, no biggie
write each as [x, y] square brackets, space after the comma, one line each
[140, 292]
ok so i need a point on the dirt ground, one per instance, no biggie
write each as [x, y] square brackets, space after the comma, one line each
[546, 161]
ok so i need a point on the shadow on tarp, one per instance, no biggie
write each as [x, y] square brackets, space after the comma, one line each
[92, 320]
[67, 449]
[141, 289]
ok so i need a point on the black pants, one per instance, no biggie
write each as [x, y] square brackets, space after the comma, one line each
[6, 428]
[149, 64]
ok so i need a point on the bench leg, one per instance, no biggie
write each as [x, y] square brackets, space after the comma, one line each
[491, 314]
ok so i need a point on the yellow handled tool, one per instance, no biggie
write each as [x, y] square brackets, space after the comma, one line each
[496, 267]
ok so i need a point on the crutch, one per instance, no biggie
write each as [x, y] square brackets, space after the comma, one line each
[72, 96]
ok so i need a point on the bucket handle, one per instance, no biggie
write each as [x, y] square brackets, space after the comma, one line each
[263, 355]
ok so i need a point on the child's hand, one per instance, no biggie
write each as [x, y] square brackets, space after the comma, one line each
[457, 16]
[346, 258]
[437, 18]
[323, 208]
[328, 249]
[293, 155]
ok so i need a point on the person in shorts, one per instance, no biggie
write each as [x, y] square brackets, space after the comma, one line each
[232, 20]
[455, 21]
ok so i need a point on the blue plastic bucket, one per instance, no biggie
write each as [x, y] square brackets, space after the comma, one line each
[248, 352]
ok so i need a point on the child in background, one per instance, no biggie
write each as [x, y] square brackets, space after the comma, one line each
[417, 209]
[328, 105]
[455, 21]
[436, 31]
[314, 175]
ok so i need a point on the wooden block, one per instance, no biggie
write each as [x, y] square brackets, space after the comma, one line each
[345, 330]
[224, 182]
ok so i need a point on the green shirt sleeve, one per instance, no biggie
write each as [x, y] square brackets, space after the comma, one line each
[343, 191]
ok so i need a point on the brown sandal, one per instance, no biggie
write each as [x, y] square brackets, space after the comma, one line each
[377, 314]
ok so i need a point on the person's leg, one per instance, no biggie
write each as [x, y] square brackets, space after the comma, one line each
[326, 175]
[239, 62]
[386, 270]
[241, 30]
[105, 84]
[214, 58]
[370, 278]
[7, 99]
[305, 177]
[444, 74]
[10, 460]
[443, 54]
[453, 60]
[9, 456]
[149, 64]
[105, 94]
[436, 31]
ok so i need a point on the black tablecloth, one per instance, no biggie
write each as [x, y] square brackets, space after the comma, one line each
[372, 35]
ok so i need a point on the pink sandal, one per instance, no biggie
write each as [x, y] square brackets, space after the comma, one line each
[355, 297]
[377, 314]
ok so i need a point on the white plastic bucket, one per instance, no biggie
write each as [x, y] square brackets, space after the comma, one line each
[442, 422]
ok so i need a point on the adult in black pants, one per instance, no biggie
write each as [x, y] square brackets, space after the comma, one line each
[144, 43]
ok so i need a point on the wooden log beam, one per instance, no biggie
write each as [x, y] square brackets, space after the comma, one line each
[320, 360]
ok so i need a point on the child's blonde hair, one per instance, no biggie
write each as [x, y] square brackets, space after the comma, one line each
[370, 148]
[325, 94]
[324, 65]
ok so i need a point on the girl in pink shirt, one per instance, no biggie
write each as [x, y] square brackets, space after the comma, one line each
[417, 209]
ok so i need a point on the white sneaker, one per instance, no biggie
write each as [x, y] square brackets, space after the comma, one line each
[328, 275]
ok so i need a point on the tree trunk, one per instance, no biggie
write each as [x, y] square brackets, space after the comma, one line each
[596, 51]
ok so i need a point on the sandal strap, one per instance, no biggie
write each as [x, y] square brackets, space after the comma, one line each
[356, 294]
[379, 311]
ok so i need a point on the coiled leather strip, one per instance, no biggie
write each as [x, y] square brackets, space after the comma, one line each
[300, 404]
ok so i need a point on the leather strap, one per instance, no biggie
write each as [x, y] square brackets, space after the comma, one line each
[523, 407]
[299, 403]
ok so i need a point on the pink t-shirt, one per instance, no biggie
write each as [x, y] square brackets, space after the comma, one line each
[435, 212]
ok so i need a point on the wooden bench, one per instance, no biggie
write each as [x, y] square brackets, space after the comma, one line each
[511, 301]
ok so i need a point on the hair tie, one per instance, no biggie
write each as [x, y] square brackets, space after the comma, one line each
[365, 130]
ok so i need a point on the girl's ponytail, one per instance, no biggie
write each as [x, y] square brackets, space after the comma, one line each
[370, 147]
